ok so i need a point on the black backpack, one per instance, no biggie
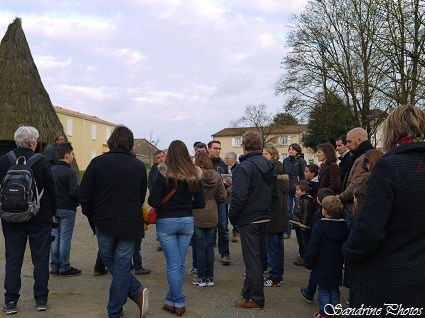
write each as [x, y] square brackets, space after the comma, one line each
[19, 197]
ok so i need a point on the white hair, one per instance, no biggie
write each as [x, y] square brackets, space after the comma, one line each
[24, 135]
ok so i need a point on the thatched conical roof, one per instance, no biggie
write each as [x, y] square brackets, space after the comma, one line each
[23, 98]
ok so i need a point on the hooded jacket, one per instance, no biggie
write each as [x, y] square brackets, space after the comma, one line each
[181, 203]
[214, 193]
[294, 167]
[254, 189]
[324, 251]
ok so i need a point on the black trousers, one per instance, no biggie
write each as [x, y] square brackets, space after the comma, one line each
[15, 237]
[253, 242]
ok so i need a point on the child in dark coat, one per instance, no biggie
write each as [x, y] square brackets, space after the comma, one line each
[324, 255]
[311, 172]
[302, 218]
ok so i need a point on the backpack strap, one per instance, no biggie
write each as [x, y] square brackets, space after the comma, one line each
[33, 159]
[12, 157]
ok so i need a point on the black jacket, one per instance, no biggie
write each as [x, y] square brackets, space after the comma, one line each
[183, 200]
[66, 186]
[304, 211]
[51, 155]
[112, 192]
[344, 165]
[254, 189]
[152, 175]
[42, 175]
[219, 165]
[294, 168]
[324, 251]
[279, 220]
[386, 246]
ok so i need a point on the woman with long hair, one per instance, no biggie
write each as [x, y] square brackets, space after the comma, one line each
[329, 173]
[206, 220]
[174, 225]
[386, 245]
[370, 158]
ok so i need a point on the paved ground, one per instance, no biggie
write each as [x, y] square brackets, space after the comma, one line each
[86, 295]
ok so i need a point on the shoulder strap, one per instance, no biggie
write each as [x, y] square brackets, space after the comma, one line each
[33, 159]
[169, 195]
[12, 157]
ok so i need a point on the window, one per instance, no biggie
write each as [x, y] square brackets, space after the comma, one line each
[237, 142]
[69, 123]
[93, 132]
[108, 133]
[284, 140]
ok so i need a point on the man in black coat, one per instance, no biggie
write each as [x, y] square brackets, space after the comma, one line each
[112, 192]
[51, 155]
[158, 157]
[344, 157]
[254, 190]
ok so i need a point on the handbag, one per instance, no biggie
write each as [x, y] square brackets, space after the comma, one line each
[153, 212]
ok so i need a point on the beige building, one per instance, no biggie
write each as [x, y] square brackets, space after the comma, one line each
[88, 134]
[281, 138]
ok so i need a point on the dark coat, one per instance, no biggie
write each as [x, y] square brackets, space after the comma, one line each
[152, 175]
[344, 166]
[219, 165]
[182, 201]
[279, 220]
[42, 175]
[294, 168]
[51, 155]
[66, 186]
[254, 189]
[324, 251]
[329, 177]
[112, 192]
[304, 211]
[386, 247]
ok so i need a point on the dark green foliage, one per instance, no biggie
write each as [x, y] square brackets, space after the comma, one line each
[328, 121]
[285, 119]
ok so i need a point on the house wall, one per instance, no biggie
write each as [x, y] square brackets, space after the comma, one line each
[88, 142]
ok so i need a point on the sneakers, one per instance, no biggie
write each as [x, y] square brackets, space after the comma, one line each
[225, 260]
[248, 304]
[303, 292]
[210, 282]
[199, 282]
[41, 305]
[142, 271]
[270, 283]
[143, 302]
[101, 272]
[235, 237]
[54, 272]
[70, 273]
[10, 308]
[299, 262]
[192, 272]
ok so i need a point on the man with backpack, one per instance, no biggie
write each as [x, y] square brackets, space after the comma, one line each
[36, 218]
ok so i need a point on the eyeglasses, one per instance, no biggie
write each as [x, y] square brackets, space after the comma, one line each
[215, 148]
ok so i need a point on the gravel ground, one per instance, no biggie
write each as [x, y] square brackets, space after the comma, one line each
[87, 295]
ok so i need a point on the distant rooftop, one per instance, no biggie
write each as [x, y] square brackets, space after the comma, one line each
[290, 129]
[65, 111]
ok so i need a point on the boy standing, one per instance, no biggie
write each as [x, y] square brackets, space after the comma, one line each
[324, 257]
[302, 218]
[311, 173]
[67, 188]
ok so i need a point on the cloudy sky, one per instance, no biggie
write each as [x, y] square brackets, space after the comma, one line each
[167, 69]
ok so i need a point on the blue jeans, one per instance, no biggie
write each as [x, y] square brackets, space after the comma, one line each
[312, 286]
[61, 246]
[204, 238]
[223, 231]
[116, 254]
[174, 235]
[291, 201]
[15, 237]
[275, 255]
[327, 295]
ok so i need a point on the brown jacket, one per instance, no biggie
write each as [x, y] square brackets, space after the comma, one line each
[214, 193]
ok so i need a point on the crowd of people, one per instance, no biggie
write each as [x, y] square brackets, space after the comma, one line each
[359, 209]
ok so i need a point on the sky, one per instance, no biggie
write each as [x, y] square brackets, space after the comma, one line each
[167, 69]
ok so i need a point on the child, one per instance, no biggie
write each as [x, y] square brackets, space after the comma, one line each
[311, 173]
[308, 293]
[302, 218]
[67, 188]
[324, 257]
[137, 257]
